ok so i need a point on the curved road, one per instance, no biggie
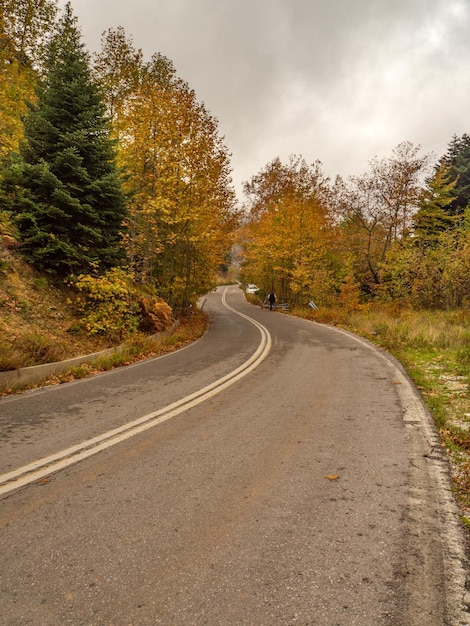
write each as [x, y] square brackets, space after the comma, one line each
[275, 472]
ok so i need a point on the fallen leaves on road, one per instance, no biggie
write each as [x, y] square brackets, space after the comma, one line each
[332, 476]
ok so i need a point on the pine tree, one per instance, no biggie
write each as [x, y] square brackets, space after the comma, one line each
[433, 217]
[66, 191]
[458, 160]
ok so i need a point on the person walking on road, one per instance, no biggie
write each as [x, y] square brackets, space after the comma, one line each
[272, 300]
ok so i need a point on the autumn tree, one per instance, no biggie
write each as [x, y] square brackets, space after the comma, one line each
[377, 208]
[118, 68]
[287, 238]
[178, 172]
[24, 28]
[65, 190]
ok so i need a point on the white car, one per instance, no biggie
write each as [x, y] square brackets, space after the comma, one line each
[251, 289]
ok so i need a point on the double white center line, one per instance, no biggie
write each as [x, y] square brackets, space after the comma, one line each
[46, 466]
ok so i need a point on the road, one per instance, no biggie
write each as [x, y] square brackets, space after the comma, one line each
[277, 472]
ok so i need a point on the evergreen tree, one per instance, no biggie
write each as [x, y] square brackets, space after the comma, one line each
[65, 191]
[458, 160]
[433, 217]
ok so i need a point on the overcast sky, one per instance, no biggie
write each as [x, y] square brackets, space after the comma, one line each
[341, 81]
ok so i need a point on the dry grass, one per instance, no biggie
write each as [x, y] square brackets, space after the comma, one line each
[37, 324]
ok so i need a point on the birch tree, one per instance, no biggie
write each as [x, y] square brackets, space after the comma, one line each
[377, 208]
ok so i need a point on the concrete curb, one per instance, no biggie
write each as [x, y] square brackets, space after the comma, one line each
[13, 379]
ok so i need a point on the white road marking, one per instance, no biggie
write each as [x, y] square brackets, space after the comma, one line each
[46, 466]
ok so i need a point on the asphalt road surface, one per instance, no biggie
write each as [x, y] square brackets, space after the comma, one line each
[275, 472]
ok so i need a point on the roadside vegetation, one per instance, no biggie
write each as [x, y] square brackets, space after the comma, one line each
[138, 348]
[44, 322]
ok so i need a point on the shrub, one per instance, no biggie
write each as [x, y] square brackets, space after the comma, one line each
[111, 306]
[156, 315]
[107, 305]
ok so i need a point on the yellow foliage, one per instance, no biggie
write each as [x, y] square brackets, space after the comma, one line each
[287, 242]
[350, 295]
[182, 208]
[16, 89]
[107, 304]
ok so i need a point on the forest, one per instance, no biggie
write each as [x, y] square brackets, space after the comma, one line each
[115, 179]
[399, 233]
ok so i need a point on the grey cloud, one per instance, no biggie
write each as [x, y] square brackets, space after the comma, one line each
[340, 81]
